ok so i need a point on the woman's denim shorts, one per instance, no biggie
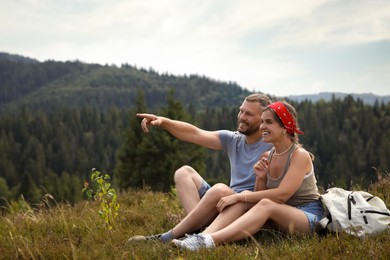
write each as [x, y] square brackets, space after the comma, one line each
[314, 212]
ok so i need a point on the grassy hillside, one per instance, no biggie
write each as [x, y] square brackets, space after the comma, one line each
[76, 232]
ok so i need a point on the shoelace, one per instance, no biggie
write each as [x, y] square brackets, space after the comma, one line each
[152, 237]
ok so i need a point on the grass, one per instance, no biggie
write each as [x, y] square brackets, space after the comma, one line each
[61, 231]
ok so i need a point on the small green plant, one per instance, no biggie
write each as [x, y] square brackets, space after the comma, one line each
[105, 194]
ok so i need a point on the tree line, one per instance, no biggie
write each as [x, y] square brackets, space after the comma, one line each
[50, 86]
[54, 152]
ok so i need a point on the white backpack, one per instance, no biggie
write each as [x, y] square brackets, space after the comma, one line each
[356, 212]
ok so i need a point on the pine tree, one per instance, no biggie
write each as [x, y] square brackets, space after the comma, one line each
[163, 153]
[151, 160]
[127, 173]
[29, 189]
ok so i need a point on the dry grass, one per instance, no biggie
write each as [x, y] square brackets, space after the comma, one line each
[76, 232]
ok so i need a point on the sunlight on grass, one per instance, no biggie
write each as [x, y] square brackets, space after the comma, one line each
[61, 231]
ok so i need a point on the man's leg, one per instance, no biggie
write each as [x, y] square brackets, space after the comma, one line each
[204, 212]
[188, 182]
[229, 215]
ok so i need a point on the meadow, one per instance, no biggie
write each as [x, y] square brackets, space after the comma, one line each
[52, 230]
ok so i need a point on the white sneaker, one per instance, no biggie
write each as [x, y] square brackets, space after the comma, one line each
[195, 242]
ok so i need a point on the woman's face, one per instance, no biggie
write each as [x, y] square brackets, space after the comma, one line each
[270, 127]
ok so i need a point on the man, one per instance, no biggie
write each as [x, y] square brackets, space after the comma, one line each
[244, 148]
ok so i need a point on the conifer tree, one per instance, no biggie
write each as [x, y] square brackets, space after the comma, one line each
[29, 189]
[150, 160]
[161, 153]
[127, 172]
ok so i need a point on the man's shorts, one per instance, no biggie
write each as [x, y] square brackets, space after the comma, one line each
[205, 187]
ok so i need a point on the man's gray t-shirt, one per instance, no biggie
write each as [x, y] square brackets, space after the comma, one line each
[242, 157]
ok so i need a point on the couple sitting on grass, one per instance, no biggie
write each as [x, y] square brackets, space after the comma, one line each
[274, 185]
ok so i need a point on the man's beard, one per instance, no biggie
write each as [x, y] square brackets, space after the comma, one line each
[249, 131]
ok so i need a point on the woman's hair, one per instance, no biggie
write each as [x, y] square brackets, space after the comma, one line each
[293, 135]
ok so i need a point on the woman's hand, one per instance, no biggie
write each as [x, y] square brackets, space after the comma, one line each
[227, 201]
[261, 168]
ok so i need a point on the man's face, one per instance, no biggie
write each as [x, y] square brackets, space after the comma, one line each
[249, 118]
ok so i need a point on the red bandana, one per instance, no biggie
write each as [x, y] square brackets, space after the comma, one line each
[287, 119]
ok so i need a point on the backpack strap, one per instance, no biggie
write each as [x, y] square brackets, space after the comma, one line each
[349, 202]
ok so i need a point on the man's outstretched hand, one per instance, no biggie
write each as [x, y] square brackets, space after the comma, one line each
[149, 119]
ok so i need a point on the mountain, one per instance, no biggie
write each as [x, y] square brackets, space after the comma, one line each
[367, 98]
[51, 85]
[58, 120]
[17, 58]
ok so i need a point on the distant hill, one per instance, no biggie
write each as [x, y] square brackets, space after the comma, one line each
[368, 98]
[17, 58]
[47, 86]
[52, 85]
[58, 120]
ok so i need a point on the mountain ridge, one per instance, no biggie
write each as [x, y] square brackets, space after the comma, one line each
[367, 98]
[27, 82]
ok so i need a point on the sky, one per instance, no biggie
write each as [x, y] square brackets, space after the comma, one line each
[278, 47]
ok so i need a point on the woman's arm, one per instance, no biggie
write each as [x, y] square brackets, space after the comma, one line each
[300, 164]
[260, 184]
[260, 169]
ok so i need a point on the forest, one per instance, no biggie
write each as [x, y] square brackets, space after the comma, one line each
[59, 120]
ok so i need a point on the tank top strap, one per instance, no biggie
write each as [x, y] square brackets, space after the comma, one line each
[271, 152]
[292, 149]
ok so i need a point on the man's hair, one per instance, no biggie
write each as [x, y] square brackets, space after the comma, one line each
[264, 100]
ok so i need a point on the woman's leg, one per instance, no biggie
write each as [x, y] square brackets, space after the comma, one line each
[227, 216]
[285, 217]
[204, 212]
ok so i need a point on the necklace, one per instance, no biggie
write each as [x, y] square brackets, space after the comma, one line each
[278, 154]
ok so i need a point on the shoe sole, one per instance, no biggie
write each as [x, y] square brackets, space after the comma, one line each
[137, 238]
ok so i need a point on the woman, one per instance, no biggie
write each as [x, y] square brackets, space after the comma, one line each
[286, 192]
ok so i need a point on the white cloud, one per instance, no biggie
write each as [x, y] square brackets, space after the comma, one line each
[258, 44]
[337, 23]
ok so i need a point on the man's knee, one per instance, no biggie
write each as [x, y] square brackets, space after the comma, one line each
[184, 173]
[220, 190]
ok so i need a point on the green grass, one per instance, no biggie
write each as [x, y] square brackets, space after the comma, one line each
[61, 231]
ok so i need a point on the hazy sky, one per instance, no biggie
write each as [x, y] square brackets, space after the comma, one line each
[279, 47]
